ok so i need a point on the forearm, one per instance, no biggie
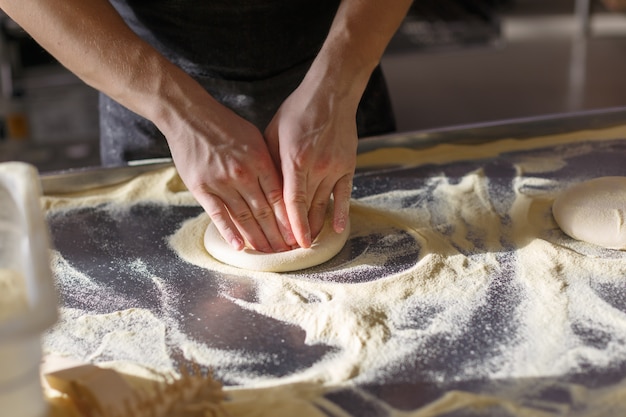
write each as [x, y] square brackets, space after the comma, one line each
[222, 158]
[356, 42]
[92, 41]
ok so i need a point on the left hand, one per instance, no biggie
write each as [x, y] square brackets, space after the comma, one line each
[313, 139]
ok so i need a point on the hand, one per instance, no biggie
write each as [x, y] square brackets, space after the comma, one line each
[225, 163]
[313, 139]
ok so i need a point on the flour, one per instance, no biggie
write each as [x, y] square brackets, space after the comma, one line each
[159, 186]
[474, 248]
[445, 153]
[119, 339]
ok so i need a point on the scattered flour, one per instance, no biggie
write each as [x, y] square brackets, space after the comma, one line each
[469, 240]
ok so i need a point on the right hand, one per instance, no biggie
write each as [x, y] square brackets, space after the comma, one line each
[313, 137]
[225, 163]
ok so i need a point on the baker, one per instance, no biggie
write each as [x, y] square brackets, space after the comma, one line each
[258, 102]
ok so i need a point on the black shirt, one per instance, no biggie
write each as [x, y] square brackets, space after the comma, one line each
[248, 54]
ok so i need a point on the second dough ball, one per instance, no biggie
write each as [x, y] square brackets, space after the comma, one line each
[594, 211]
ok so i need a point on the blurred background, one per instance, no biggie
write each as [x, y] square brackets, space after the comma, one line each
[451, 63]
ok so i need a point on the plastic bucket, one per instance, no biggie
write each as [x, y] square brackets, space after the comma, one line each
[28, 300]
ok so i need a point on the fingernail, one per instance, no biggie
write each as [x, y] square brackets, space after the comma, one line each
[290, 239]
[340, 226]
[237, 243]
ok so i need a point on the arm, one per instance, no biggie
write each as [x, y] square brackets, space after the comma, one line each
[243, 191]
[313, 135]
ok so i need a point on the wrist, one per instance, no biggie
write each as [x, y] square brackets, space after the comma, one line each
[341, 79]
[344, 65]
[174, 97]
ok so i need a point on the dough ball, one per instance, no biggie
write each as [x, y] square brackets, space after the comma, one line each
[594, 211]
[324, 247]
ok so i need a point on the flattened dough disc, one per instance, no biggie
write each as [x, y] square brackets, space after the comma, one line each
[594, 211]
[326, 245]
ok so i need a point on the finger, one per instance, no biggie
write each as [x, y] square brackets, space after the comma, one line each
[264, 215]
[234, 220]
[341, 194]
[245, 220]
[319, 206]
[274, 196]
[271, 139]
[217, 211]
[273, 188]
[296, 202]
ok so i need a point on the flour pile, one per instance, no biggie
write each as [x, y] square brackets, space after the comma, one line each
[493, 291]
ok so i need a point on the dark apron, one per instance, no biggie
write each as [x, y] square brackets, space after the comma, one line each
[236, 50]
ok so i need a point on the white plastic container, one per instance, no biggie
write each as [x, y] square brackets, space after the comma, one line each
[28, 300]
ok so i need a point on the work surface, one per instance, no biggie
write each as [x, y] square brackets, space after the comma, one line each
[456, 294]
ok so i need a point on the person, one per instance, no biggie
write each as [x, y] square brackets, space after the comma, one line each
[257, 101]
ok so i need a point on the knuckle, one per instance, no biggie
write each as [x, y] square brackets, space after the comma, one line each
[297, 198]
[198, 186]
[319, 205]
[218, 216]
[263, 213]
[323, 164]
[242, 216]
[301, 159]
[275, 197]
[238, 173]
